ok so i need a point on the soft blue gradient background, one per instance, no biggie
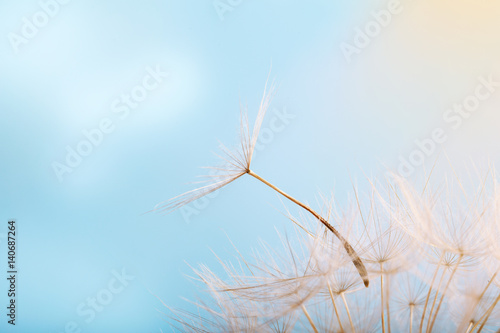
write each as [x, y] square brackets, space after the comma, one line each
[350, 119]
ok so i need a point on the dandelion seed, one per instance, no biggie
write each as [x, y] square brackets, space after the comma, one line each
[436, 252]
[238, 164]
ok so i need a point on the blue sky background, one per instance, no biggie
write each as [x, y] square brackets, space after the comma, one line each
[350, 119]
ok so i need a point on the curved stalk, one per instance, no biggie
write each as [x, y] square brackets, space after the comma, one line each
[356, 260]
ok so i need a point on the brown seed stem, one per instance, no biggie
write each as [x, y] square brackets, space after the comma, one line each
[487, 315]
[349, 249]
[411, 318]
[382, 297]
[429, 320]
[348, 312]
[309, 319]
[335, 307]
[446, 290]
[387, 298]
[429, 293]
[476, 303]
